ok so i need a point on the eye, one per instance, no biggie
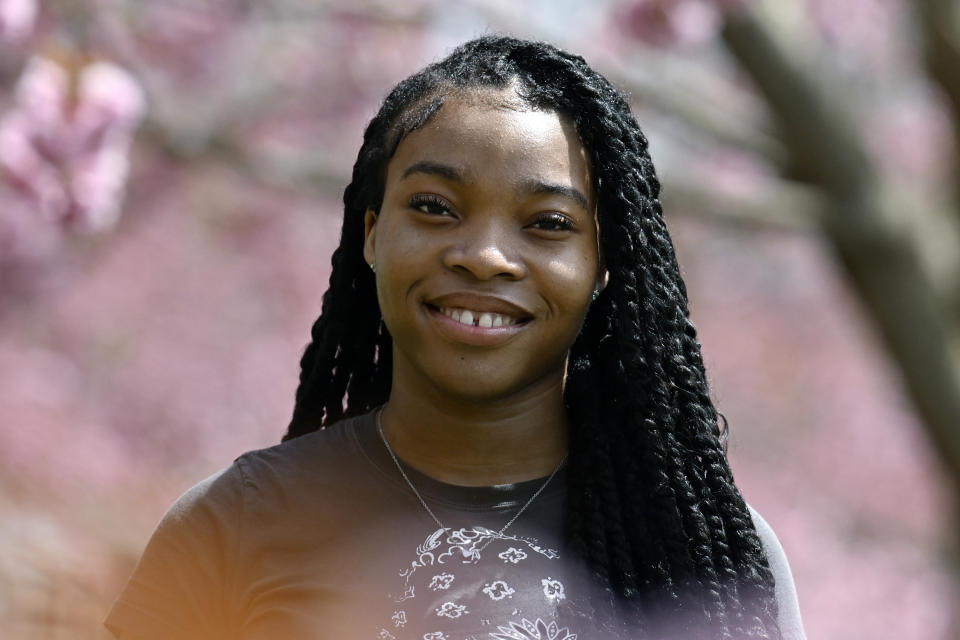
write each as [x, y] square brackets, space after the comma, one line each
[430, 204]
[553, 222]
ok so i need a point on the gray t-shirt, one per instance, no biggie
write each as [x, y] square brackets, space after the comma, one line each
[321, 537]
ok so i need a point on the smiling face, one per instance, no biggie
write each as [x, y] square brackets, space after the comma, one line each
[486, 249]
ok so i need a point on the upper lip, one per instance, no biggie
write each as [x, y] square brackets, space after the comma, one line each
[479, 302]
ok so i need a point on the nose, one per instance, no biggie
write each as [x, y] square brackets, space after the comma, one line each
[486, 252]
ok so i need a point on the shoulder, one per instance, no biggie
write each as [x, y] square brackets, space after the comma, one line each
[185, 567]
[194, 562]
[320, 474]
[771, 544]
[318, 457]
[791, 625]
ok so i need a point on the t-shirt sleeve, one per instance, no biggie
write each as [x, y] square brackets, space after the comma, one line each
[180, 588]
[791, 626]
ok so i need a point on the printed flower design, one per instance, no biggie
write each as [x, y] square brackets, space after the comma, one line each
[464, 536]
[468, 543]
[498, 590]
[512, 555]
[553, 589]
[451, 610]
[408, 592]
[399, 618]
[539, 630]
[434, 568]
[441, 582]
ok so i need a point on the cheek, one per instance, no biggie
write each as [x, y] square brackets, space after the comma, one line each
[394, 310]
[573, 273]
[573, 278]
[406, 243]
[401, 263]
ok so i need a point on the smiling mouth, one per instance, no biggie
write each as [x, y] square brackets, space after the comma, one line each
[485, 319]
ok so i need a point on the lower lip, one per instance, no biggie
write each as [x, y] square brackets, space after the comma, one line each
[473, 335]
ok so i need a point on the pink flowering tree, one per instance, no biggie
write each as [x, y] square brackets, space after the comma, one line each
[67, 120]
[855, 115]
[888, 209]
[17, 20]
[64, 145]
[808, 156]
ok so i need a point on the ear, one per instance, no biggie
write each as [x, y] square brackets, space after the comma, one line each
[370, 236]
[603, 278]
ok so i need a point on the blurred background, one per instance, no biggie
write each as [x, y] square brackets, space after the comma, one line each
[170, 174]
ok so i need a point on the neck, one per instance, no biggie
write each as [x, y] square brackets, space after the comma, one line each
[478, 444]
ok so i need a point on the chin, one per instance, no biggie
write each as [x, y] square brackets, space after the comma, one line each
[472, 392]
[478, 378]
[493, 388]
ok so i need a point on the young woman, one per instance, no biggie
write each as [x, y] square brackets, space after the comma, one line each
[503, 427]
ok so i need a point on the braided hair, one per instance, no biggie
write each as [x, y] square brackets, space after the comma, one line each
[651, 503]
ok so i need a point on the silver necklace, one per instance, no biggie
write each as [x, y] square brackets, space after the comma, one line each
[427, 507]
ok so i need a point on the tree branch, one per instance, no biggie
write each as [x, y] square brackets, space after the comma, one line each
[938, 21]
[689, 110]
[317, 174]
[818, 131]
[869, 231]
[788, 207]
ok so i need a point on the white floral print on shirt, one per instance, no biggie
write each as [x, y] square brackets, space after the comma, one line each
[451, 610]
[553, 589]
[498, 590]
[441, 581]
[512, 555]
[449, 563]
[536, 630]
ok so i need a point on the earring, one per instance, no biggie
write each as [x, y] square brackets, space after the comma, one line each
[373, 267]
[595, 295]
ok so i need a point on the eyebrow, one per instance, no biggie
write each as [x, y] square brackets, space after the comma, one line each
[533, 187]
[433, 169]
[536, 187]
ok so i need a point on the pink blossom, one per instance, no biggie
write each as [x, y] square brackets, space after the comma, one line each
[17, 19]
[65, 144]
[864, 33]
[667, 23]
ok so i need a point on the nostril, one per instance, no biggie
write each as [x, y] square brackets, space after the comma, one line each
[484, 260]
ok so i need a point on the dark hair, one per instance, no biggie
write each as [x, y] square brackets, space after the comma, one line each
[651, 502]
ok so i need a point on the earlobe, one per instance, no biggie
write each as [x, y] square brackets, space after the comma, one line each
[370, 236]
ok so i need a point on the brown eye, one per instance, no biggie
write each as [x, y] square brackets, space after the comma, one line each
[429, 204]
[553, 222]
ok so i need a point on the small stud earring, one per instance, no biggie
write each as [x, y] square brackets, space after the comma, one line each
[373, 267]
[594, 295]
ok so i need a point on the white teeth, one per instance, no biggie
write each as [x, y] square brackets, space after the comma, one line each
[483, 319]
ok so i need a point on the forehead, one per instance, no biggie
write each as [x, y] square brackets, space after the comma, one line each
[494, 135]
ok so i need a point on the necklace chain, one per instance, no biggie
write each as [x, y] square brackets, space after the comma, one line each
[424, 502]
